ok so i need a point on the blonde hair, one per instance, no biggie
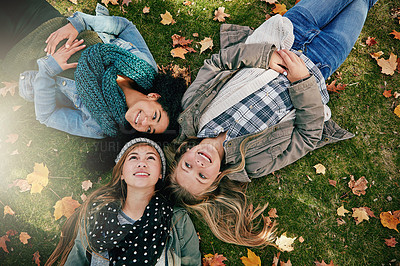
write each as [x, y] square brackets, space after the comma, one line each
[113, 192]
[224, 205]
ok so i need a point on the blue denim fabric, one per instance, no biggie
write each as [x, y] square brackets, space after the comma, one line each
[327, 30]
[57, 103]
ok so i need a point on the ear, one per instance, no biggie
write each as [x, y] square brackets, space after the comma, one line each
[153, 96]
[160, 177]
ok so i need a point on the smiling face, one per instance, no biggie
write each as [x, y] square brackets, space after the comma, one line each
[198, 168]
[147, 115]
[142, 167]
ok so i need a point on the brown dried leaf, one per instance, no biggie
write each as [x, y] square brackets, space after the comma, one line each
[214, 260]
[391, 242]
[275, 261]
[9, 87]
[22, 184]
[36, 258]
[359, 215]
[388, 66]
[387, 93]
[340, 221]
[146, 10]
[332, 182]
[179, 40]
[269, 1]
[323, 263]
[288, 263]
[179, 52]
[126, 2]
[272, 213]
[371, 41]
[389, 221]
[3, 243]
[395, 34]
[358, 187]
[301, 239]
[220, 14]
[86, 185]
[336, 88]
[12, 138]
[113, 2]
[23, 237]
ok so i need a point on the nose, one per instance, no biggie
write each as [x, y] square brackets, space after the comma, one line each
[200, 163]
[142, 164]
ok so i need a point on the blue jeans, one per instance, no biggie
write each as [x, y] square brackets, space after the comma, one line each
[326, 30]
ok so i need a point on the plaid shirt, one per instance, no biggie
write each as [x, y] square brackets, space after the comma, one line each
[262, 109]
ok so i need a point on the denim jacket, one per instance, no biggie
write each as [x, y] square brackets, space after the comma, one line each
[182, 244]
[56, 100]
[274, 147]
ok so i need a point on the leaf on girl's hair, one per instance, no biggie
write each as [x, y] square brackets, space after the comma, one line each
[272, 213]
[396, 110]
[391, 242]
[358, 187]
[36, 258]
[388, 66]
[167, 18]
[341, 211]
[220, 14]
[320, 169]
[387, 93]
[285, 243]
[8, 210]
[395, 34]
[376, 55]
[39, 178]
[9, 87]
[179, 52]
[359, 215]
[86, 185]
[23, 237]
[371, 41]
[3, 243]
[214, 260]
[65, 207]
[389, 221]
[206, 43]
[251, 260]
[146, 10]
[12, 138]
[279, 9]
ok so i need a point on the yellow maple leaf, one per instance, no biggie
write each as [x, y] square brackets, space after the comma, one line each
[65, 206]
[341, 211]
[388, 66]
[179, 52]
[376, 55]
[167, 18]
[220, 14]
[8, 210]
[23, 237]
[320, 169]
[397, 110]
[396, 34]
[285, 243]
[206, 43]
[360, 215]
[39, 178]
[251, 260]
[279, 9]
[389, 221]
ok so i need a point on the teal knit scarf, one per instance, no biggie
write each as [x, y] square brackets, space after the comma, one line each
[97, 87]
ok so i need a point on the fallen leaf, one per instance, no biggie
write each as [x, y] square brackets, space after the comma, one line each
[22, 184]
[358, 187]
[15, 152]
[396, 110]
[387, 93]
[220, 14]
[332, 182]
[359, 215]
[179, 40]
[83, 197]
[391, 242]
[36, 258]
[275, 261]
[206, 43]
[9, 87]
[39, 178]
[323, 263]
[279, 9]
[29, 143]
[340, 221]
[371, 41]
[3, 243]
[23, 237]
[12, 138]
[389, 221]
[66, 206]
[285, 243]
[74, 1]
[251, 260]
[146, 10]
[288, 263]
[267, 16]
[396, 94]
[396, 34]
[214, 260]
[167, 18]
[195, 34]
[336, 88]
[8, 210]
[113, 2]
[388, 66]
[341, 211]
[267, 221]
[272, 213]
[86, 185]
[369, 212]
[187, 3]
[179, 52]
[301, 239]
[16, 107]
[376, 55]
[126, 2]
[320, 169]
[11, 232]
[269, 1]
[396, 214]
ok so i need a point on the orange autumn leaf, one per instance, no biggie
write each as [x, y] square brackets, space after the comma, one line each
[376, 55]
[179, 40]
[391, 242]
[65, 207]
[251, 260]
[332, 182]
[336, 88]
[387, 93]
[23, 237]
[8, 210]
[395, 34]
[3, 243]
[388, 66]
[187, 3]
[371, 41]
[396, 110]
[11, 232]
[389, 221]
[36, 258]
[179, 52]
[358, 187]
[167, 18]
[146, 10]
[279, 9]
[297, 1]
[220, 14]
[39, 178]
[214, 260]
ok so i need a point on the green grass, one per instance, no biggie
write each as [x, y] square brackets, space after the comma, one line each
[305, 208]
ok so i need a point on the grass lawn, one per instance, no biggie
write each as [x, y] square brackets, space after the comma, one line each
[305, 201]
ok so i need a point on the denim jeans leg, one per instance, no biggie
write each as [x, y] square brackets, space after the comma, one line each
[326, 31]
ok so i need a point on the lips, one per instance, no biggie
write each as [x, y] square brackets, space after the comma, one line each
[141, 174]
[205, 156]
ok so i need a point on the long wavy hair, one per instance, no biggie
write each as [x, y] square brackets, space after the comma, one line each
[224, 205]
[114, 191]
